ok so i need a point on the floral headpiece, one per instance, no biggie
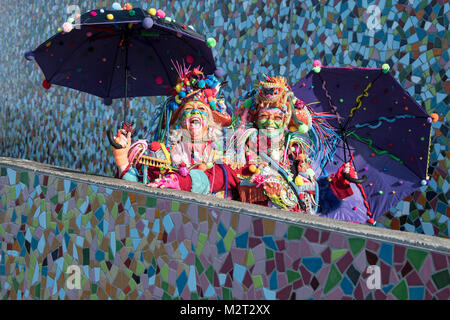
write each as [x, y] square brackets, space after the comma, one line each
[194, 85]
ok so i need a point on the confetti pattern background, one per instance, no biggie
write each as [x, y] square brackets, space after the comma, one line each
[67, 128]
[130, 245]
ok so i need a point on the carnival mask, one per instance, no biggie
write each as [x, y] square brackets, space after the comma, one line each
[271, 120]
[194, 118]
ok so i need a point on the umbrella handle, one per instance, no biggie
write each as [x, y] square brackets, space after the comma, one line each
[110, 136]
[357, 181]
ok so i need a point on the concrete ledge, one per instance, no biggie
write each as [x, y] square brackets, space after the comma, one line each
[350, 229]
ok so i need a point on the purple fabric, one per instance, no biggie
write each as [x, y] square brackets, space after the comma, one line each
[96, 64]
[404, 132]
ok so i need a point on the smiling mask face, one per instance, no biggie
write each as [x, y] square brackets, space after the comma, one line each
[271, 121]
[194, 118]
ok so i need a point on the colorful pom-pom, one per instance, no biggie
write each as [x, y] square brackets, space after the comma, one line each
[317, 69]
[211, 42]
[317, 63]
[128, 6]
[183, 171]
[159, 80]
[298, 181]
[189, 59]
[160, 13]
[109, 16]
[116, 6]
[434, 117]
[46, 85]
[424, 182]
[168, 19]
[385, 67]
[152, 11]
[67, 27]
[147, 23]
[201, 84]
[155, 146]
[182, 94]
[93, 13]
[219, 72]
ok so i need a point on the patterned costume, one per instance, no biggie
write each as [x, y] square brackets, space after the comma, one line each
[279, 137]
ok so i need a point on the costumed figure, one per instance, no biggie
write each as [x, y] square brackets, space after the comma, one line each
[187, 140]
[281, 139]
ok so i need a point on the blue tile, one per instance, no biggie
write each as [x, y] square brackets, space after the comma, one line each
[313, 264]
[416, 293]
[168, 223]
[181, 281]
[273, 280]
[242, 240]
[347, 286]
[269, 294]
[386, 252]
[221, 229]
[238, 272]
[268, 240]
[183, 250]
[221, 247]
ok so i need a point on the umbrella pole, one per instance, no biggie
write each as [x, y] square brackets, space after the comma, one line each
[126, 76]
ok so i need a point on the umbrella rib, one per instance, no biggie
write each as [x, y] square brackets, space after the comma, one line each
[112, 73]
[350, 118]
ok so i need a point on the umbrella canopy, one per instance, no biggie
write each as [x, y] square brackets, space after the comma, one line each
[121, 53]
[381, 125]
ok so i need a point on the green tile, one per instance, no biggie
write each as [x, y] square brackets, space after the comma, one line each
[334, 277]
[229, 237]
[3, 172]
[165, 273]
[141, 211]
[101, 198]
[210, 274]
[257, 281]
[85, 256]
[356, 245]
[150, 202]
[401, 291]
[441, 279]
[24, 178]
[201, 243]
[227, 294]
[94, 288]
[269, 253]
[166, 296]
[114, 211]
[37, 291]
[250, 258]
[294, 233]
[140, 268]
[336, 254]
[132, 284]
[175, 206]
[199, 266]
[416, 257]
[194, 296]
[292, 275]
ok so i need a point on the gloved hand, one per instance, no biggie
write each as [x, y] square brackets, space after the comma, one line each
[121, 155]
[170, 181]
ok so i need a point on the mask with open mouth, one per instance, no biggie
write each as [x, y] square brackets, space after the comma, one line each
[194, 119]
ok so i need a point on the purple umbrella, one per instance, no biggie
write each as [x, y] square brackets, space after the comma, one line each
[120, 54]
[385, 136]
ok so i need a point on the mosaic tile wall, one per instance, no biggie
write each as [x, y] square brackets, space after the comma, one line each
[66, 128]
[135, 246]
